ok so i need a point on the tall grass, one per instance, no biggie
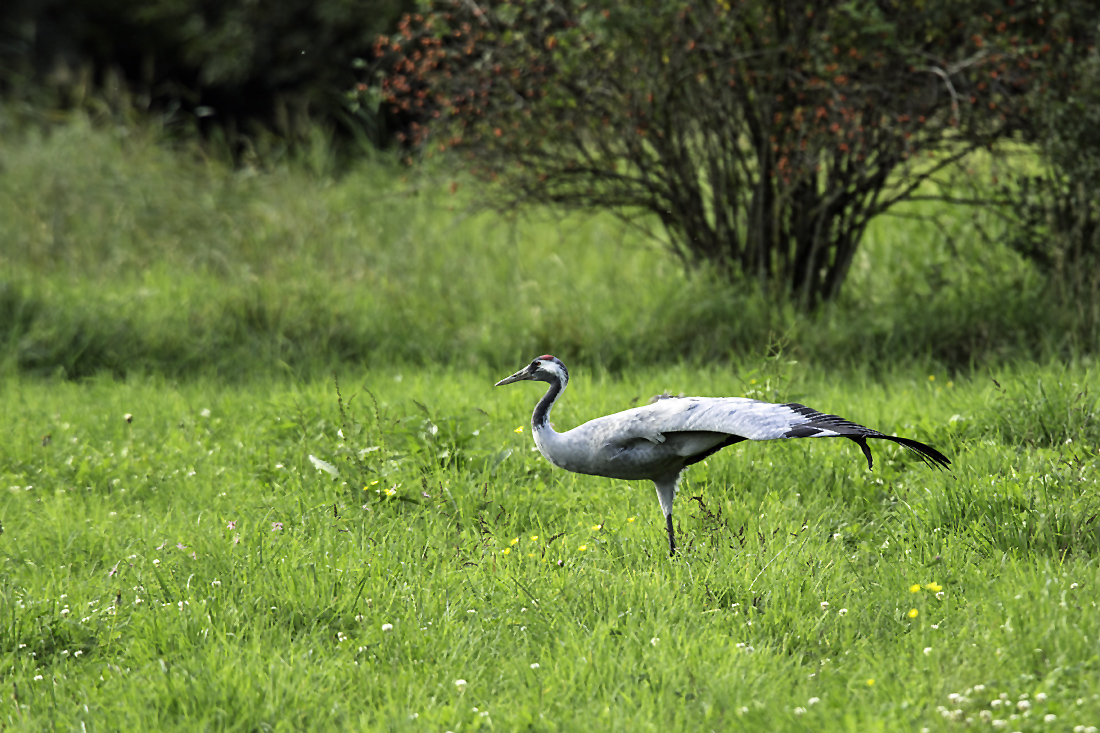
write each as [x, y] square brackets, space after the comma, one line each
[125, 254]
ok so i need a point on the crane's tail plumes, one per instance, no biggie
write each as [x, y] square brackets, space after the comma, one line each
[926, 453]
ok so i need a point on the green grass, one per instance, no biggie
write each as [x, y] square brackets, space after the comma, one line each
[252, 627]
[124, 255]
[191, 567]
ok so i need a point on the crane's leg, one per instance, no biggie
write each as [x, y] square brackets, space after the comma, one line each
[666, 492]
[671, 535]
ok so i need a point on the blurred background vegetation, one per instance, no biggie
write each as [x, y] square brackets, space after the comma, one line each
[224, 187]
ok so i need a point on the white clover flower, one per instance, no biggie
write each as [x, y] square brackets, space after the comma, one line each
[985, 715]
[461, 685]
[824, 605]
[78, 653]
[995, 703]
[799, 711]
[843, 612]
[979, 688]
[1023, 705]
[1050, 718]
[37, 677]
[387, 627]
[927, 650]
[1041, 697]
[999, 723]
[340, 637]
[534, 665]
[654, 641]
[813, 701]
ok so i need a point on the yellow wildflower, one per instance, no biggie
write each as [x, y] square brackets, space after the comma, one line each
[934, 587]
[597, 527]
[631, 519]
[515, 541]
[913, 613]
[518, 430]
[582, 548]
[506, 551]
[915, 588]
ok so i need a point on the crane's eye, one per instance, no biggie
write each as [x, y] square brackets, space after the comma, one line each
[534, 365]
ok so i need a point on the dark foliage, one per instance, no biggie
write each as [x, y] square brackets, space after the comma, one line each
[279, 65]
[1056, 211]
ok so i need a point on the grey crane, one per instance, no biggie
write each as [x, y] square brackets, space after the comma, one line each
[658, 441]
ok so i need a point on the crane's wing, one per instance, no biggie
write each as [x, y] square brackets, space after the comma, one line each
[745, 419]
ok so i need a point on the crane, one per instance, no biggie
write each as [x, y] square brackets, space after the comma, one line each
[659, 440]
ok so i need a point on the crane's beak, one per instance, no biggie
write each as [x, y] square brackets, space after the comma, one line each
[519, 376]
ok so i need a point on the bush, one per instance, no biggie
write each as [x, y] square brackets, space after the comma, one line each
[762, 136]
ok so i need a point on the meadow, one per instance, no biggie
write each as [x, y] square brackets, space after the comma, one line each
[255, 475]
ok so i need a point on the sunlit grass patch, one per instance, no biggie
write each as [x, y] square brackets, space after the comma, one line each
[195, 553]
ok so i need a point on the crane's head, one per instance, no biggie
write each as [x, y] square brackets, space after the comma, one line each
[546, 368]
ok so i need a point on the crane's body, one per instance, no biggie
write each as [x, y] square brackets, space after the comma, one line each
[658, 441]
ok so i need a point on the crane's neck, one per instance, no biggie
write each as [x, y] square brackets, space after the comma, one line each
[540, 419]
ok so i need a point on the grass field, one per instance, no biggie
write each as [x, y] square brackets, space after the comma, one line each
[202, 529]
[124, 256]
[194, 568]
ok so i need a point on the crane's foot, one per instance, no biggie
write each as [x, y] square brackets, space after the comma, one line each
[671, 536]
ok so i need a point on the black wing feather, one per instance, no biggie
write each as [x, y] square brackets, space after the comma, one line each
[818, 421]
